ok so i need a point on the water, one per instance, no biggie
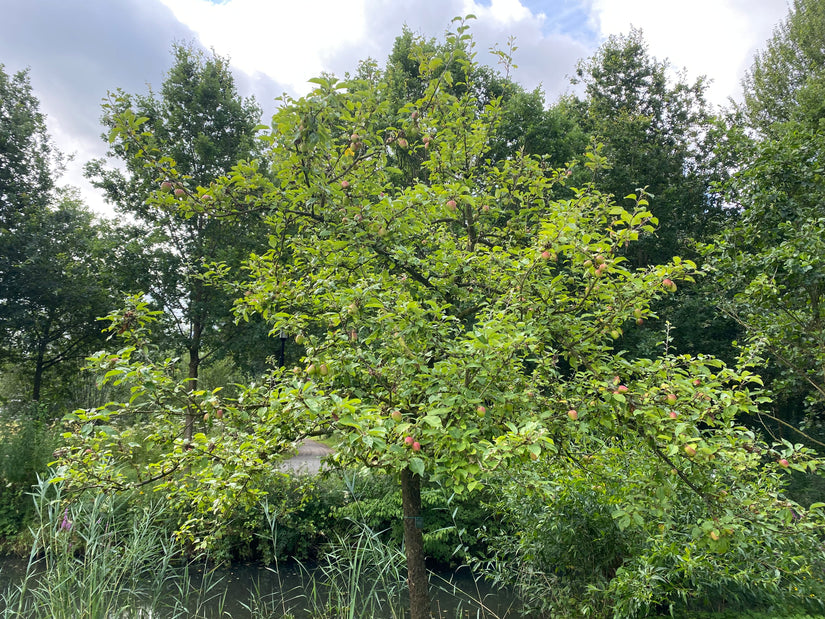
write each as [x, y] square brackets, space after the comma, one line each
[252, 590]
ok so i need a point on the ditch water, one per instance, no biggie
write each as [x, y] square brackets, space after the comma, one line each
[250, 590]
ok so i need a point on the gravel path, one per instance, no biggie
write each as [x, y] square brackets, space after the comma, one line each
[308, 458]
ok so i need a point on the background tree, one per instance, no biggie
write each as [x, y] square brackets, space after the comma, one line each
[769, 264]
[54, 278]
[659, 134]
[196, 129]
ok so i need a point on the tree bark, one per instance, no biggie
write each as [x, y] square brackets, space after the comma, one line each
[414, 545]
[192, 385]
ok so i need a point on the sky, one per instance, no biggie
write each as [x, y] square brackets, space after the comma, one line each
[79, 50]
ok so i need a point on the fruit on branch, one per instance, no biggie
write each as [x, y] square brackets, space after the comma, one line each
[573, 414]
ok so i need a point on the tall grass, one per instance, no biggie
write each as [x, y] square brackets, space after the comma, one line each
[88, 559]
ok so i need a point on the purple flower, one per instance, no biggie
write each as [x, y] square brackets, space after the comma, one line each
[66, 525]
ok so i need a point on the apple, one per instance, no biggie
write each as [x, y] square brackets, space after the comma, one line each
[311, 369]
[354, 137]
[622, 389]
[485, 208]
[481, 411]
[615, 334]
[396, 416]
[573, 414]
[714, 535]
[588, 263]
[323, 369]
[668, 283]
[640, 321]
[671, 398]
[600, 260]
[690, 450]
[206, 198]
[416, 446]
[673, 414]
[414, 115]
[408, 440]
[427, 139]
[206, 417]
[637, 313]
[696, 382]
[166, 186]
[219, 413]
[545, 255]
[300, 339]
[402, 143]
[179, 192]
[451, 204]
[344, 184]
[784, 463]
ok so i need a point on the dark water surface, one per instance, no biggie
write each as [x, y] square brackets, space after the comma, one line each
[253, 590]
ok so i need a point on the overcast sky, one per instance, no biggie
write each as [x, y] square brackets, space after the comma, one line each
[78, 50]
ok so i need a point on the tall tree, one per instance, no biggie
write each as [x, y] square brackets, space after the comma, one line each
[55, 292]
[53, 279]
[769, 265]
[197, 129]
[787, 80]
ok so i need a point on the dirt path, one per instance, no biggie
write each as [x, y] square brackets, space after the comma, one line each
[308, 458]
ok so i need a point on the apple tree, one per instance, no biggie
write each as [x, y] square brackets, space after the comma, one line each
[466, 322]
[469, 319]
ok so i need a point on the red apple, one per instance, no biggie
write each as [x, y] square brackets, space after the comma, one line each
[179, 192]
[396, 416]
[344, 184]
[166, 186]
[545, 255]
[573, 414]
[219, 413]
[481, 411]
[451, 204]
[408, 440]
[622, 389]
[416, 446]
[671, 398]
[673, 415]
[402, 143]
[784, 463]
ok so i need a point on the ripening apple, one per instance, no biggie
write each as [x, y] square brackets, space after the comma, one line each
[673, 414]
[485, 208]
[573, 414]
[179, 192]
[416, 446]
[784, 463]
[402, 143]
[545, 255]
[344, 184]
[408, 440]
[396, 416]
[671, 398]
[622, 389]
[311, 369]
[690, 450]
[323, 369]
[354, 137]
[300, 339]
[451, 204]
[219, 413]
[481, 411]
[166, 186]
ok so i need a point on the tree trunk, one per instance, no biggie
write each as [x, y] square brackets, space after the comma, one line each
[414, 544]
[194, 365]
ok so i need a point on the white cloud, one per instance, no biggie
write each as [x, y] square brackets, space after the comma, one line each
[716, 38]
